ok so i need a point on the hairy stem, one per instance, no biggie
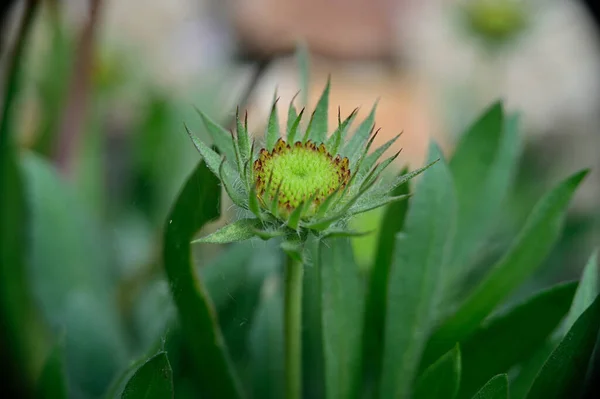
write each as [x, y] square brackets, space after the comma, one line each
[293, 332]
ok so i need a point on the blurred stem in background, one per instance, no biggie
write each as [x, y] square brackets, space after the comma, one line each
[74, 113]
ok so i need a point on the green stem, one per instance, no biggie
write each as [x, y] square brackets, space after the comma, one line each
[293, 332]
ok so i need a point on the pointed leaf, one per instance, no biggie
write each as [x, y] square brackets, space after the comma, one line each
[294, 219]
[415, 277]
[442, 378]
[239, 230]
[197, 204]
[341, 233]
[268, 234]
[564, 373]
[376, 304]
[220, 137]
[510, 338]
[342, 302]
[496, 388]
[360, 136]
[154, 379]
[52, 382]
[272, 134]
[366, 206]
[321, 115]
[586, 292]
[212, 159]
[527, 252]
[484, 167]
[253, 204]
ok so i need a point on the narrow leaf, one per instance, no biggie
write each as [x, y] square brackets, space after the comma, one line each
[509, 339]
[527, 252]
[342, 302]
[376, 305]
[236, 196]
[442, 378]
[321, 115]
[219, 136]
[253, 204]
[239, 230]
[273, 134]
[563, 375]
[334, 142]
[153, 380]
[483, 167]
[197, 204]
[496, 388]
[365, 206]
[294, 220]
[417, 269]
[212, 159]
[586, 292]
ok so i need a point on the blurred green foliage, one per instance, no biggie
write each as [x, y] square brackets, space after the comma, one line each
[101, 294]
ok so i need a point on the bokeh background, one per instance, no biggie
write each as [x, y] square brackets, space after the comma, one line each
[108, 85]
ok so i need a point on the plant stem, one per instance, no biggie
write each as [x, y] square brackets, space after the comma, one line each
[292, 328]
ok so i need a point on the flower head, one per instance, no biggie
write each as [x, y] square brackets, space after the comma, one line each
[307, 181]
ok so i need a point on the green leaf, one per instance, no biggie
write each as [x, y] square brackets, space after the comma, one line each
[220, 137]
[510, 338]
[496, 388]
[239, 230]
[212, 159]
[236, 195]
[483, 167]
[197, 204]
[376, 305]
[266, 343]
[525, 255]
[441, 379]
[563, 375]
[417, 270]
[342, 312]
[360, 136]
[586, 292]
[272, 134]
[321, 115]
[73, 285]
[529, 369]
[52, 382]
[153, 380]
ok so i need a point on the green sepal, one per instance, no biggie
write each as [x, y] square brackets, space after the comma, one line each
[334, 142]
[307, 132]
[360, 207]
[293, 129]
[253, 204]
[272, 133]
[404, 178]
[291, 115]
[294, 219]
[239, 230]
[236, 196]
[268, 234]
[360, 135]
[320, 116]
[219, 136]
[337, 233]
[375, 155]
[242, 136]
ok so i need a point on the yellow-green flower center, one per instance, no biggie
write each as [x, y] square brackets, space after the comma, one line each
[298, 173]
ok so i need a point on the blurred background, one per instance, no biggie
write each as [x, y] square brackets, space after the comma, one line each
[108, 85]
